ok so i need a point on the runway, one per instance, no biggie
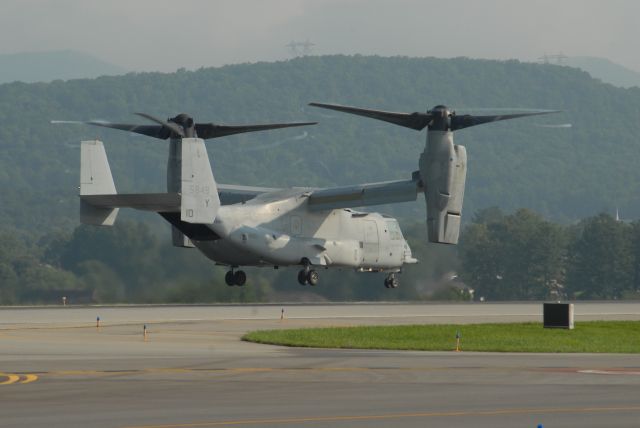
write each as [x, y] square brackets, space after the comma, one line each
[59, 369]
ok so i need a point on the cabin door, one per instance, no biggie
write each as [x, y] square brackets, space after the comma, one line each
[371, 243]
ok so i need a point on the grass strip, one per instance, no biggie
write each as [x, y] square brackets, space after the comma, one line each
[591, 336]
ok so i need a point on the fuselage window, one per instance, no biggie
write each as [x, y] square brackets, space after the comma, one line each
[394, 230]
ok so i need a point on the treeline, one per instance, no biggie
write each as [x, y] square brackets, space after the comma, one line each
[522, 256]
[130, 263]
[519, 256]
[123, 264]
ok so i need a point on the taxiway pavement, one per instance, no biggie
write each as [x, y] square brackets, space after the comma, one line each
[59, 370]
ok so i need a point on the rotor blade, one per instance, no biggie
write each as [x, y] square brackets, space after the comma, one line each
[66, 122]
[467, 120]
[209, 130]
[415, 120]
[155, 131]
[172, 126]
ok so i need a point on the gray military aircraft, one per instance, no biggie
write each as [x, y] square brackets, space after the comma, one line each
[313, 228]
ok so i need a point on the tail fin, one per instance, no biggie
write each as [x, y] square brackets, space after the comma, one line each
[199, 200]
[95, 179]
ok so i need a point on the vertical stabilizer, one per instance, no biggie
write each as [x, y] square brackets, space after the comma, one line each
[95, 179]
[174, 185]
[200, 201]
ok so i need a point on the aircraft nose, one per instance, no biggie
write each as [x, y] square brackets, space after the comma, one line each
[408, 256]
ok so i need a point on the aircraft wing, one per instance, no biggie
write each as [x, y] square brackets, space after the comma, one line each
[361, 195]
[234, 194]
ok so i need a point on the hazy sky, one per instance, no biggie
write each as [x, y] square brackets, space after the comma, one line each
[166, 35]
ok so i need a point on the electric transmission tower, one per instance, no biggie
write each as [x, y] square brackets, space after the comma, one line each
[556, 59]
[297, 49]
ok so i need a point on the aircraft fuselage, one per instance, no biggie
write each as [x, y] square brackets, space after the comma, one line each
[279, 230]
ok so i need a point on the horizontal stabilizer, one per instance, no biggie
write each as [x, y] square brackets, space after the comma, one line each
[157, 202]
[170, 202]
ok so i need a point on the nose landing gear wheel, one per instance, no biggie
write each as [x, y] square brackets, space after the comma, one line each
[391, 281]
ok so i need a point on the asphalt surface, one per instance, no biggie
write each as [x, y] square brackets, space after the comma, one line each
[58, 369]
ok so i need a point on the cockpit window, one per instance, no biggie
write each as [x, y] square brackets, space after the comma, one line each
[394, 230]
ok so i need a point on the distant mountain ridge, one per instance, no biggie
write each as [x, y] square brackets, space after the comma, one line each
[32, 67]
[605, 70]
[565, 173]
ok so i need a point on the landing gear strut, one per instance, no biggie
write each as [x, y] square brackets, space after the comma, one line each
[308, 275]
[391, 281]
[238, 278]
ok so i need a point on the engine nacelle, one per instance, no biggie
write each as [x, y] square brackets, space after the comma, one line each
[443, 169]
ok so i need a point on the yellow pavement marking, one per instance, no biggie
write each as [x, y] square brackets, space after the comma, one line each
[85, 372]
[394, 416]
[218, 370]
[29, 378]
[14, 378]
[227, 370]
[11, 378]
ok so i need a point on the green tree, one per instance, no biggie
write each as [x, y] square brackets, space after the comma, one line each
[600, 264]
[106, 284]
[635, 248]
[129, 250]
[520, 256]
[8, 285]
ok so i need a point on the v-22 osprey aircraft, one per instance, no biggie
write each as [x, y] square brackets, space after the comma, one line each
[313, 228]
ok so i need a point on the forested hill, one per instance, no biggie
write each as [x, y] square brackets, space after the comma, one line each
[562, 172]
[53, 65]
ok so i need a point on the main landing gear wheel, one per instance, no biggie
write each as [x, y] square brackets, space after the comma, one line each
[228, 278]
[238, 278]
[302, 277]
[313, 277]
[308, 276]
[391, 281]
